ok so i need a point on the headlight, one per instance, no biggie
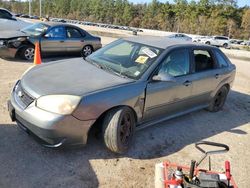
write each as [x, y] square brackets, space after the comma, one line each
[17, 41]
[59, 104]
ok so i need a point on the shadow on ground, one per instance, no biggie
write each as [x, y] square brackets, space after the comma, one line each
[25, 163]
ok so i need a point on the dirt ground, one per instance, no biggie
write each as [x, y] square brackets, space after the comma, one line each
[25, 163]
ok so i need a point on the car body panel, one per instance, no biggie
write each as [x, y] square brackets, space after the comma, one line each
[51, 127]
[11, 34]
[100, 90]
[166, 98]
[53, 44]
[79, 72]
[87, 109]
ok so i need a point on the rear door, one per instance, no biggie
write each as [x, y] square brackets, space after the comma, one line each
[168, 98]
[74, 39]
[53, 41]
[205, 75]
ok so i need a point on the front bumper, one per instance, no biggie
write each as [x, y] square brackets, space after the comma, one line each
[53, 130]
[7, 52]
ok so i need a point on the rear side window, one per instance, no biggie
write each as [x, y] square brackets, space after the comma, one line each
[221, 60]
[221, 38]
[203, 60]
[176, 63]
[73, 33]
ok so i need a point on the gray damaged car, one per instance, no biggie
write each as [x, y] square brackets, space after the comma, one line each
[54, 39]
[127, 85]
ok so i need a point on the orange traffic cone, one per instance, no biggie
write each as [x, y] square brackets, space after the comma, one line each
[37, 57]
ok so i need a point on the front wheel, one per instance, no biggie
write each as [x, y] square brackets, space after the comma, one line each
[28, 53]
[87, 50]
[118, 129]
[219, 100]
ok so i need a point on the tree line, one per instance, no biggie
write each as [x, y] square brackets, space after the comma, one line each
[203, 17]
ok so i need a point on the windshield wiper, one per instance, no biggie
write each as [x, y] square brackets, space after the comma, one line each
[94, 63]
[113, 71]
[105, 67]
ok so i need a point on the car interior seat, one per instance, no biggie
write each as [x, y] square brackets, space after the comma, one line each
[202, 63]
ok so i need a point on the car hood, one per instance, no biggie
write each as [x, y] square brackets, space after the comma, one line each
[12, 34]
[70, 77]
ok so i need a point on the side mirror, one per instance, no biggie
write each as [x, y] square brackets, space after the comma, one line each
[164, 77]
[46, 36]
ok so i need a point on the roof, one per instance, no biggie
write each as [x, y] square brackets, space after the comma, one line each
[161, 42]
[57, 23]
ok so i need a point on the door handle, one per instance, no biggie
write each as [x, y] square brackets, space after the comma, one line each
[82, 40]
[187, 83]
[61, 41]
[217, 76]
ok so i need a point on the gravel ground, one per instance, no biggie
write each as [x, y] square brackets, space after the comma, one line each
[25, 163]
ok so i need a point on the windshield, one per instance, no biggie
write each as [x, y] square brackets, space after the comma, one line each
[125, 58]
[35, 29]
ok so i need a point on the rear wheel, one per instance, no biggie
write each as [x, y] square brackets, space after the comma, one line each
[87, 50]
[225, 45]
[219, 100]
[27, 53]
[118, 129]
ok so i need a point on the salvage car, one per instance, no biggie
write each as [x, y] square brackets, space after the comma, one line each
[54, 39]
[8, 21]
[127, 85]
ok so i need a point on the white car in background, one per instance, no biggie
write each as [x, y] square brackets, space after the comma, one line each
[246, 43]
[220, 41]
[9, 22]
[198, 38]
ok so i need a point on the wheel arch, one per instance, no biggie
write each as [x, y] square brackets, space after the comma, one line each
[227, 85]
[97, 126]
[20, 48]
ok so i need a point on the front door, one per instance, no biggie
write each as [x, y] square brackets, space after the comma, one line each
[53, 40]
[168, 98]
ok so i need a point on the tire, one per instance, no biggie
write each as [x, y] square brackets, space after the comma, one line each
[219, 99]
[225, 45]
[118, 129]
[87, 50]
[208, 43]
[27, 53]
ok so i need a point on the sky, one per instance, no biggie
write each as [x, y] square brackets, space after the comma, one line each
[241, 3]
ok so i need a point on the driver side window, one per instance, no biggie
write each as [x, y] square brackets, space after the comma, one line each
[176, 63]
[56, 32]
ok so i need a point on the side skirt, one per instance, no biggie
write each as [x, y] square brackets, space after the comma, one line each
[144, 125]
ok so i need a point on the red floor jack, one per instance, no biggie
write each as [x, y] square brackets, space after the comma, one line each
[170, 175]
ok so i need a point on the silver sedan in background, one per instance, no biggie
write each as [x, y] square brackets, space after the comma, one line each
[129, 84]
[54, 39]
[180, 36]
